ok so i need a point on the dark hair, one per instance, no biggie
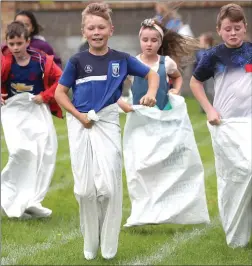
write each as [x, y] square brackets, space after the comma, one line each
[36, 27]
[180, 48]
[16, 29]
[233, 12]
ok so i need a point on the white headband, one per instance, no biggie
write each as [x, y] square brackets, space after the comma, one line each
[151, 23]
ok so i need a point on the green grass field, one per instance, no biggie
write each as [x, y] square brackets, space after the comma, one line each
[58, 241]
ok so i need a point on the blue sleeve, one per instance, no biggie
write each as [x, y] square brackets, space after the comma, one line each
[198, 56]
[68, 77]
[136, 68]
[205, 68]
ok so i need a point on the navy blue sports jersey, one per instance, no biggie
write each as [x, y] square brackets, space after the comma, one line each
[26, 78]
[97, 81]
[231, 69]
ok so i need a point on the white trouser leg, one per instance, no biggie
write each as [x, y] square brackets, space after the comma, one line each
[89, 225]
[236, 215]
[108, 183]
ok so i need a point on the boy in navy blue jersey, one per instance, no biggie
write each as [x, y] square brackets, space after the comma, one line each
[230, 64]
[96, 77]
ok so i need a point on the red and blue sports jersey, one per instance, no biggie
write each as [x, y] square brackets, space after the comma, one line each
[97, 81]
[27, 78]
[231, 69]
[51, 76]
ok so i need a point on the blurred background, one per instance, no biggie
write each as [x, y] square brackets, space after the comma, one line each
[62, 22]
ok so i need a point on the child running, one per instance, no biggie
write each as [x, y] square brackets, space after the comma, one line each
[36, 40]
[96, 77]
[229, 120]
[165, 178]
[160, 49]
[28, 82]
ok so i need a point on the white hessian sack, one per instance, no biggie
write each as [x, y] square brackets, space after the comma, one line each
[232, 150]
[32, 145]
[165, 175]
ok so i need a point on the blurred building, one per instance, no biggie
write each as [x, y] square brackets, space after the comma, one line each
[62, 21]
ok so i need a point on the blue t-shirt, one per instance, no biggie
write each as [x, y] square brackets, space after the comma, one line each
[97, 81]
[231, 70]
[27, 78]
[199, 54]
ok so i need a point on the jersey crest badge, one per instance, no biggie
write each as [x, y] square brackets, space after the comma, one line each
[115, 70]
[88, 69]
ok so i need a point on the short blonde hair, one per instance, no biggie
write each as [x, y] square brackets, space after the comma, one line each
[97, 9]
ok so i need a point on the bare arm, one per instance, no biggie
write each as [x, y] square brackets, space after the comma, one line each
[124, 106]
[177, 81]
[199, 93]
[127, 84]
[197, 89]
[61, 97]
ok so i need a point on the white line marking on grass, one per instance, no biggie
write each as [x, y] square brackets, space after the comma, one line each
[16, 252]
[179, 238]
[3, 150]
[204, 142]
[61, 185]
[62, 137]
[63, 158]
[165, 250]
[198, 125]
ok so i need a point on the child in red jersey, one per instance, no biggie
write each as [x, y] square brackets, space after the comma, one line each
[29, 79]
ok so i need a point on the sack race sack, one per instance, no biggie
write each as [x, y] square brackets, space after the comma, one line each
[165, 175]
[96, 158]
[32, 145]
[232, 150]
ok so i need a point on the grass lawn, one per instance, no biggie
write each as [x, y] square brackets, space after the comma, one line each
[58, 241]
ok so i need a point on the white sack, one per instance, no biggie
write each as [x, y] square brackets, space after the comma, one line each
[165, 175]
[232, 149]
[97, 169]
[32, 145]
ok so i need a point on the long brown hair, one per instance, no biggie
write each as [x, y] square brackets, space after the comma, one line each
[180, 48]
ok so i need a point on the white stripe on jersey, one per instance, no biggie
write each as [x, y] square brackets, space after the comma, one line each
[91, 78]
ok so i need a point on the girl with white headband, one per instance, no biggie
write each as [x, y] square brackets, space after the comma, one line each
[165, 175]
[165, 52]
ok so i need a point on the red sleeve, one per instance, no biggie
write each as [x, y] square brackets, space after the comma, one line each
[4, 74]
[52, 82]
